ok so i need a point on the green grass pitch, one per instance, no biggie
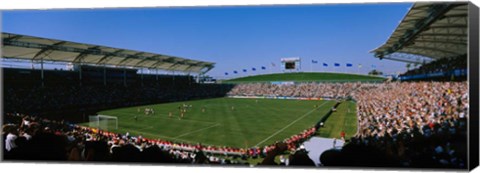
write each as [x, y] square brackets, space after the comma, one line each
[345, 118]
[250, 123]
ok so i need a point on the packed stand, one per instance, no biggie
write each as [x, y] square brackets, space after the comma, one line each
[418, 124]
[441, 65]
[61, 98]
[409, 124]
[309, 90]
[33, 138]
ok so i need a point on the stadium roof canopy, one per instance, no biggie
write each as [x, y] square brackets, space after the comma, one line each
[429, 31]
[24, 47]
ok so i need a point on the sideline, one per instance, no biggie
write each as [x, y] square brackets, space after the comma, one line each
[298, 119]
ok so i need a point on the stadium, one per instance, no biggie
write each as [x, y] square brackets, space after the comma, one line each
[115, 104]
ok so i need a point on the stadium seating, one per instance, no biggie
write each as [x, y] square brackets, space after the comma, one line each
[404, 124]
[445, 69]
[60, 95]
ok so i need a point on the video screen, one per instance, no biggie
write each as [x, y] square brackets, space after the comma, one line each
[290, 65]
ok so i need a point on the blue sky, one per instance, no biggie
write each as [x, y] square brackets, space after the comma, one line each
[235, 38]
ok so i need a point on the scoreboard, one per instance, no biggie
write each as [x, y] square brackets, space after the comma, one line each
[290, 64]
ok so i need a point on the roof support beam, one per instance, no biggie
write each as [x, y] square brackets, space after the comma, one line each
[146, 59]
[47, 50]
[433, 55]
[82, 55]
[156, 64]
[435, 11]
[442, 34]
[434, 49]
[11, 38]
[449, 26]
[440, 41]
[401, 60]
[108, 57]
[455, 15]
[129, 58]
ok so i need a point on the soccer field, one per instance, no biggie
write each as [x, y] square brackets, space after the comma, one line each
[344, 119]
[249, 123]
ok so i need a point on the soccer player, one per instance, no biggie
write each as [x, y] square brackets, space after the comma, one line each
[203, 109]
[233, 108]
[169, 114]
[342, 135]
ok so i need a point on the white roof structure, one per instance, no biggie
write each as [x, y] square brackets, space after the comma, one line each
[24, 47]
[429, 31]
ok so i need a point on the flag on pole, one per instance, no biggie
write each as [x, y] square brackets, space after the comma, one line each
[337, 65]
[314, 62]
[263, 68]
[349, 65]
[325, 64]
[253, 69]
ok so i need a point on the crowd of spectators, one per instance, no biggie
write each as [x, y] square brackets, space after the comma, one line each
[33, 138]
[441, 65]
[309, 90]
[417, 124]
[404, 124]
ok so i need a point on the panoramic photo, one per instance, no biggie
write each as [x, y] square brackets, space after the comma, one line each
[311, 86]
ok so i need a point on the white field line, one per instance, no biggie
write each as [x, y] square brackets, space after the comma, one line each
[195, 131]
[175, 118]
[153, 134]
[166, 137]
[298, 119]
